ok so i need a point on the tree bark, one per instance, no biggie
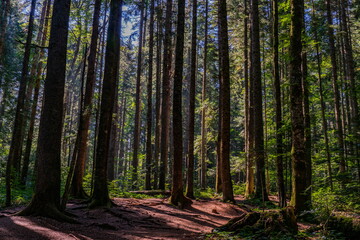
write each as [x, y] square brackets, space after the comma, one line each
[224, 65]
[100, 197]
[177, 195]
[38, 68]
[14, 159]
[149, 100]
[191, 127]
[299, 198]
[46, 199]
[158, 95]
[135, 161]
[249, 136]
[279, 123]
[259, 153]
[165, 104]
[335, 86]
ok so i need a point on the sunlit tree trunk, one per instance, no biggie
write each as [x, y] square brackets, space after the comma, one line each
[46, 199]
[149, 156]
[165, 109]
[100, 195]
[191, 127]
[14, 159]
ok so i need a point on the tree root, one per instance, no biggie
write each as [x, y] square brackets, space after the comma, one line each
[46, 210]
[265, 223]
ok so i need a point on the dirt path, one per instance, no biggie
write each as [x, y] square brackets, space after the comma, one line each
[131, 219]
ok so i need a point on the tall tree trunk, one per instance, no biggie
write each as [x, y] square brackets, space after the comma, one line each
[204, 103]
[350, 77]
[250, 185]
[100, 195]
[158, 94]
[165, 109]
[137, 130]
[279, 123]
[306, 109]
[224, 65]
[42, 37]
[84, 122]
[299, 198]
[14, 159]
[149, 100]
[335, 86]
[46, 200]
[191, 127]
[321, 92]
[177, 195]
[259, 155]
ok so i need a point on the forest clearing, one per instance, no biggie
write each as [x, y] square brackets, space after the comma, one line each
[179, 119]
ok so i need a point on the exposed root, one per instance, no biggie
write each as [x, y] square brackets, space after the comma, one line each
[267, 223]
[45, 210]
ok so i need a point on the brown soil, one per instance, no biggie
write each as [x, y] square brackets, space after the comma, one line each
[130, 219]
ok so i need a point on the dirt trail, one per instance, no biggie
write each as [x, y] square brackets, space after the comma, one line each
[131, 219]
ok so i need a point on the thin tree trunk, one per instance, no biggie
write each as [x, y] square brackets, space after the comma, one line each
[279, 123]
[158, 95]
[14, 159]
[135, 161]
[259, 155]
[191, 127]
[335, 85]
[165, 109]
[149, 100]
[322, 103]
[250, 185]
[42, 37]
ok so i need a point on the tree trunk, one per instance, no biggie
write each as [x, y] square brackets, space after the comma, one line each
[165, 109]
[100, 195]
[191, 127]
[350, 77]
[335, 86]
[77, 181]
[249, 136]
[158, 95]
[299, 198]
[322, 103]
[259, 155]
[135, 161]
[177, 195]
[149, 100]
[224, 65]
[14, 159]
[42, 37]
[279, 123]
[46, 200]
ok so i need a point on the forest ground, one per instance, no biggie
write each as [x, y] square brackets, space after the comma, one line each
[131, 219]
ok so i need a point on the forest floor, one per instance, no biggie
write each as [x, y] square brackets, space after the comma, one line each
[130, 219]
